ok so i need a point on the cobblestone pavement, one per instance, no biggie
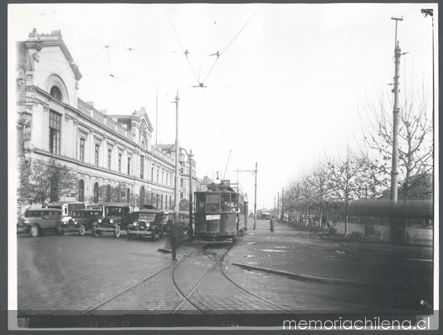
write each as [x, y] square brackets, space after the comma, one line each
[73, 273]
[89, 275]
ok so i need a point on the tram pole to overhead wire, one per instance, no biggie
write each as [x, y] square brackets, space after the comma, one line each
[177, 150]
[396, 112]
[255, 196]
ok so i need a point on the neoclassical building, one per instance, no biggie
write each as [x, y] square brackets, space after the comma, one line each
[105, 152]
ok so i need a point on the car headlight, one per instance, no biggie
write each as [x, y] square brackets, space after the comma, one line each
[112, 220]
[148, 225]
[99, 220]
[134, 223]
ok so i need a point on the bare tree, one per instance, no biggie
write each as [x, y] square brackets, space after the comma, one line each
[348, 180]
[415, 153]
[293, 199]
[40, 181]
[320, 182]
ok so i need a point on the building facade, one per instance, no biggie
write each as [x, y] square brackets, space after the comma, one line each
[112, 156]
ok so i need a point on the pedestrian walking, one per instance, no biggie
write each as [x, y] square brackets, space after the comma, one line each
[173, 239]
[271, 225]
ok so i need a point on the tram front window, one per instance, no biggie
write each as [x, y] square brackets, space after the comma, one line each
[226, 203]
[213, 203]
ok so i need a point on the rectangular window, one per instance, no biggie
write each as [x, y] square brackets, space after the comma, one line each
[152, 174]
[109, 158]
[55, 121]
[129, 165]
[181, 182]
[82, 149]
[142, 166]
[119, 162]
[97, 152]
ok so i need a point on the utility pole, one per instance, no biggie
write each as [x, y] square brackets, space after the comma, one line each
[177, 150]
[156, 118]
[278, 205]
[190, 229]
[282, 205]
[396, 113]
[255, 196]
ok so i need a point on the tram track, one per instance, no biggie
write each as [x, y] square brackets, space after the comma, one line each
[216, 270]
[200, 294]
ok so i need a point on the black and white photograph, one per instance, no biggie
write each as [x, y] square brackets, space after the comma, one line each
[189, 166]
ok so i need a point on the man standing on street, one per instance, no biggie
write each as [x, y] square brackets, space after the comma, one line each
[174, 238]
[271, 224]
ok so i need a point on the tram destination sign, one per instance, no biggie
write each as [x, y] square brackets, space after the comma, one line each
[213, 217]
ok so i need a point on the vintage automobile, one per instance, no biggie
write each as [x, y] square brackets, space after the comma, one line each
[81, 221]
[116, 218]
[146, 223]
[67, 207]
[42, 220]
[183, 223]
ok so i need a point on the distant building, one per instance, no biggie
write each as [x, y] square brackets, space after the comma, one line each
[105, 152]
[420, 187]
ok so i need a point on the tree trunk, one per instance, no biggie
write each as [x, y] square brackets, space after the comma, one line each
[321, 217]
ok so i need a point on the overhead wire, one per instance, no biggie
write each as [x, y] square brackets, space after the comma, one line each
[185, 52]
[219, 54]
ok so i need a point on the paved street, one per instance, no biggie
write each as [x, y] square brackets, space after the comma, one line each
[86, 275]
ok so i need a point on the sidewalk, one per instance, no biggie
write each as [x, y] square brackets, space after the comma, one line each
[404, 277]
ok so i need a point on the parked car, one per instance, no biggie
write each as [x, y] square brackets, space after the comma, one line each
[115, 218]
[67, 207]
[42, 220]
[81, 220]
[146, 223]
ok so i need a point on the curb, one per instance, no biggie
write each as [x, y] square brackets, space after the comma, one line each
[307, 277]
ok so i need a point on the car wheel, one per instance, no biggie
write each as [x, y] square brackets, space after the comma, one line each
[117, 231]
[34, 231]
[94, 232]
[82, 230]
[155, 235]
[60, 231]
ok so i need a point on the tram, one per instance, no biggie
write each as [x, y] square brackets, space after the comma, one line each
[221, 213]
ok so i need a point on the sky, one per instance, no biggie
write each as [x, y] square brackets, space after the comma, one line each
[291, 85]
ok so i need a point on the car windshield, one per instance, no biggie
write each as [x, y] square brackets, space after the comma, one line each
[29, 214]
[85, 214]
[114, 211]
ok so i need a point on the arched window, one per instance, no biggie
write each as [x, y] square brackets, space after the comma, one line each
[81, 190]
[108, 193]
[95, 193]
[56, 93]
[53, 195]
[142, 195]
